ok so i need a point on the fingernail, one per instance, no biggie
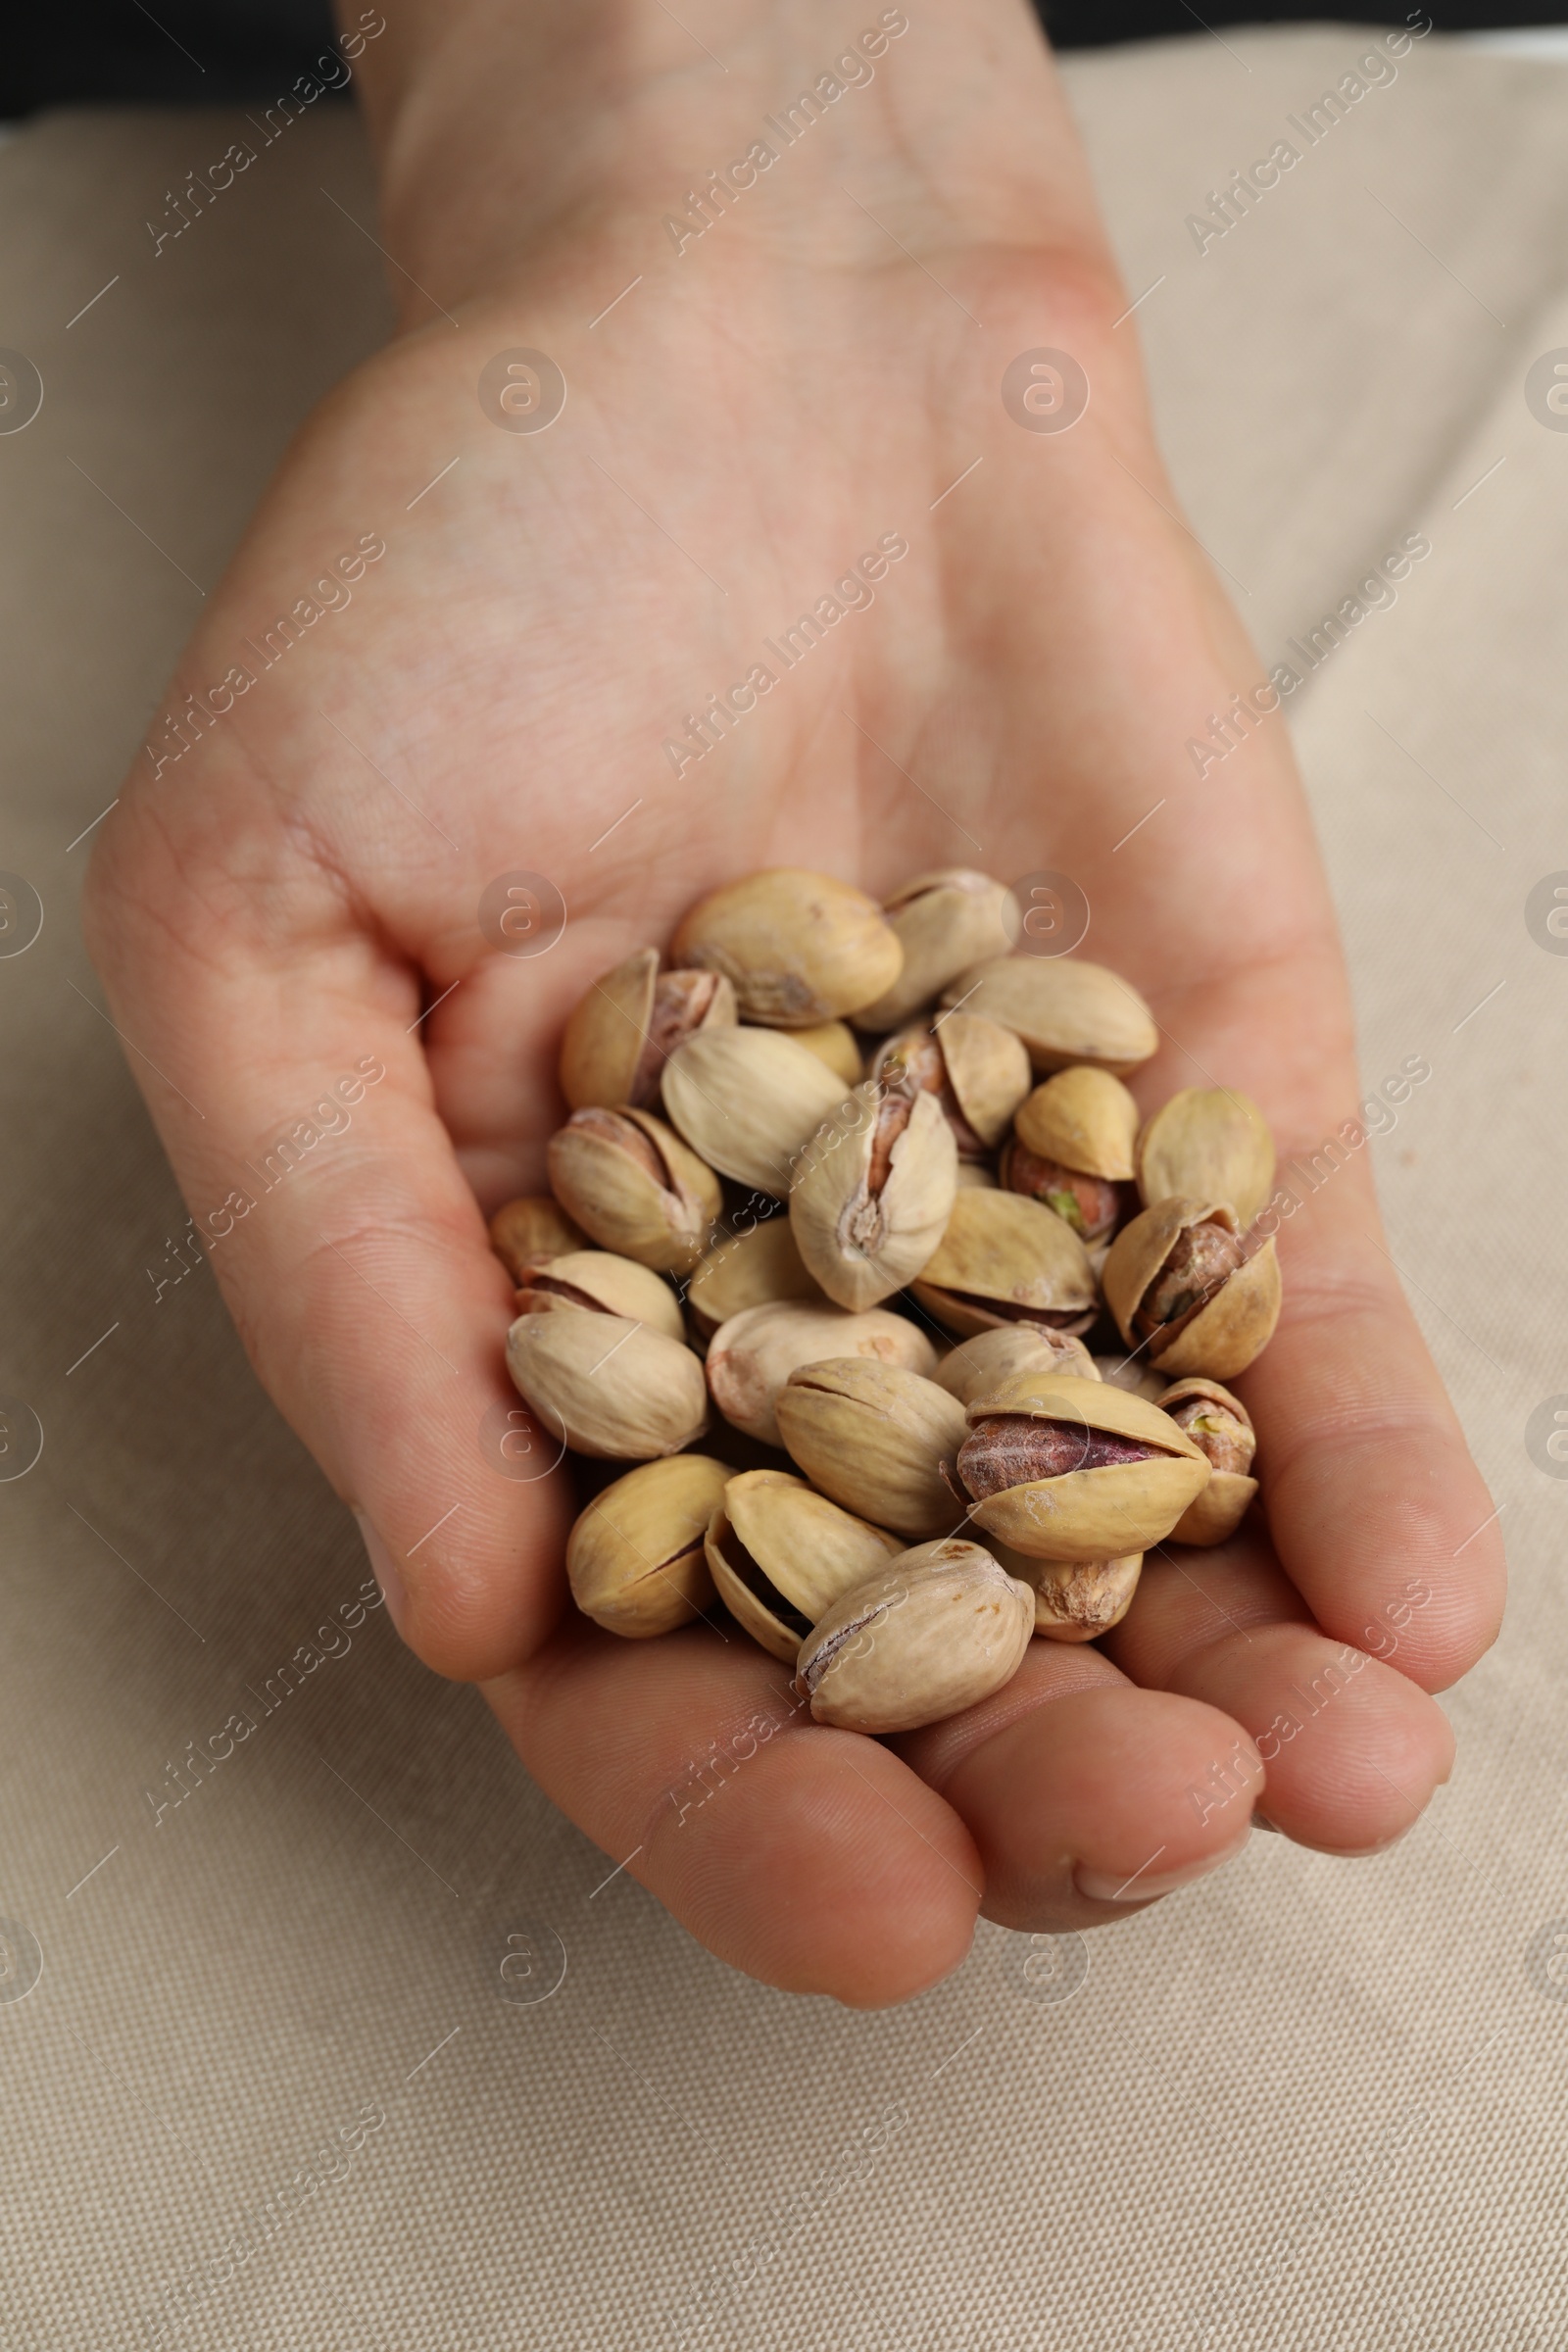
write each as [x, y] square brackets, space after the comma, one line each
[1145, 1884]
[385, 1569]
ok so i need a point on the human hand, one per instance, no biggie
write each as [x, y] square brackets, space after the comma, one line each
[296, 896]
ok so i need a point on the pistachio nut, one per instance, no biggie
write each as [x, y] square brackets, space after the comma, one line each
[873, 1436]
[620, 1035]
[782, 1556]
[1004, 1259]
[1083, 1118]
[977, 1070]
[1190, 1292]
[1220, 1424]
[525, 1232]
[834, 1042]
[1208, 1144]
[635, 1556]
[1090, 1205]
[748, 1100]
[752, 1355]
[1078, 1601]
[1064, 1011]
[1076, 1470]
[607, 1386]
[938, 1628]
[944, 922]
[874, 1194]
[1130, 1372]
[603, 1284]
[977, 1366]
[801, 948]
[634, 1187]
[754, 1269]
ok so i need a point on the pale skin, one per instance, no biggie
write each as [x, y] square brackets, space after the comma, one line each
[270, 910]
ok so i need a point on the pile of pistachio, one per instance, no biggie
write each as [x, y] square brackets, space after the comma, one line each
[859, 1181]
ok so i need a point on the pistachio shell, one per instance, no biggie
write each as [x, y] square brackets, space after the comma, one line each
[1132, 1373]
[1222, 1505]
[1064, 1009]
[752, 1355]
[979, 1365]
[754, 1269]
[1084, 1118]
[525, 1232]
[620, 1035]
[833, 1042]
[944, 922]
[873, 1436]
[801, 948]
[1208, 1144]
[635, 1556]
[599, 1282]
[1236, 1322]
[1098, 1514]
[1077, 1600]
[988, 1069]
[748, 1100]
[941, 1628]
[782, 1556]
[634, 1187]
[867, 1218]
[611, 1388]
[1006, 1259]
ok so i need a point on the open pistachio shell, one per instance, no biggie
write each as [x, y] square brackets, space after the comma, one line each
[780, 1557]
[753, 1268]
[1086, 1119]
[525, 1232]
[1006, 1259]
[1222, 1505]
[609, 1387]
[752, 1355]
[634, 1187]
[977, 1366]
[604, 1284]
[873, 1436]
[1236, 1320]
[988, 1068]
[800, 947]
[620, 1034]
[1077, 1600]
[1097, 1514]
[874, 1193]
[635, 1558]
[748, 1100]
[938, 1628]
[1064, 1009]
[944, 922]
[1208, 1144]
[833, 1042]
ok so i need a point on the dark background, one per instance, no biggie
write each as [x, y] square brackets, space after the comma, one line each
[224, 52]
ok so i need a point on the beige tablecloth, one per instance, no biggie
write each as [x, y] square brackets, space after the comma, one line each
[1313, 2104]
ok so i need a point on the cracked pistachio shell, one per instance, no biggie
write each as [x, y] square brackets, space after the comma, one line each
[635, 1558]
[1007, 1259]
[525, 1232]
[1132, 1373]
[1084, 1118]
[782, 1556]
[1100, 1514]
[634, 1187]
[864, 1218]
[752, 1355]
[1064, 1011]
[944, 922]
[1076, 1600]
[800, 947]
[873, 1436]
[620, 1032]
[748, 1100]
[1208, 1144]
[834, 1042]
[598, 1281]
[977, 1366]
[941, 1628]
[1222, 1505]
[609, 1387]
[1233, 1325]
[988, 1069]
[760, 1267]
